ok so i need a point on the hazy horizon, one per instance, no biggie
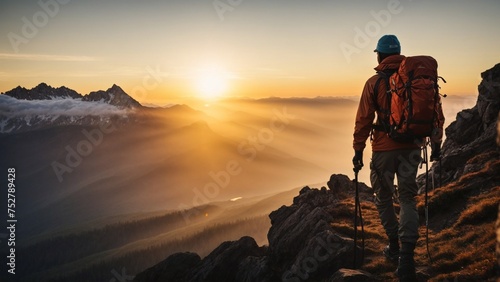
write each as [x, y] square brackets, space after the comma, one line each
[202, 103]
[161, 52]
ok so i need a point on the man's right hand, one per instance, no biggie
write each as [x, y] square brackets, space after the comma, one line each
[357, 160]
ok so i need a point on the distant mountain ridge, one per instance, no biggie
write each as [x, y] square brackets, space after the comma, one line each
[44, 106]
[113, 96]
[42, 92]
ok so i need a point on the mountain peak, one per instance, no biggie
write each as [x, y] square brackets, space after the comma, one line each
[115, 88]
[114, 96]
[42, 86]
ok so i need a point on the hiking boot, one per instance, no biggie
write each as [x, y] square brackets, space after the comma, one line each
[391, 254]
[406, 269]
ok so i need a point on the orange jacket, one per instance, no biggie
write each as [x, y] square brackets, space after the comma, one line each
[366, 113]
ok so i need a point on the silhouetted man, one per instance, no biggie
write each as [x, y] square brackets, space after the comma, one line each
[390, 158]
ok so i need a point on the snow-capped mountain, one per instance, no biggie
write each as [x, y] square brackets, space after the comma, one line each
[44, 106]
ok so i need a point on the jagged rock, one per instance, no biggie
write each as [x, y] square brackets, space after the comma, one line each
[473, 133]
[338, 184]
[351, 275]
[301, 240]
[288, 237]
[324, 253]
[311, 197]
[302, 243]
[292, 226]
[464, 129]
[341, 184]
[175, 268]
[114, 96]
[254, 269]
[222, 264]
[242, 259]
[488, 102]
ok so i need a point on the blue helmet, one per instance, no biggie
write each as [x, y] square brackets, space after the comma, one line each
[388, 44]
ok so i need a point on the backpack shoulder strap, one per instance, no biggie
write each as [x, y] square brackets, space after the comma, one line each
[383, 76]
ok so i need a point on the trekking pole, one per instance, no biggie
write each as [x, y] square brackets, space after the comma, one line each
[357, 211]
[355, 218]
[440, 172]
[426, 160]
[432, 178]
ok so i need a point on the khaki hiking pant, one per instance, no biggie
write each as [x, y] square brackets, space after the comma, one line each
[404, 164]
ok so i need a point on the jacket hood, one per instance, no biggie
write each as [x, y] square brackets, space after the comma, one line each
[390, 63]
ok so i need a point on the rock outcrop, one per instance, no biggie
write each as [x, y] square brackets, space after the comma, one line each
[472, 133]
[231, 261]
[303, 245]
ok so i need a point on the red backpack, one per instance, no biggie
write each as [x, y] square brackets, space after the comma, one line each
[413, 99]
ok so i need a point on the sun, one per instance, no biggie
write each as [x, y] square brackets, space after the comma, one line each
[211, 82]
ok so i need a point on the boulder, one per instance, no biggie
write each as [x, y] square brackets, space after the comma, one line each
[323, 254]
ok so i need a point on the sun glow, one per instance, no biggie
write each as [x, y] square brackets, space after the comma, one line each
[212, 82]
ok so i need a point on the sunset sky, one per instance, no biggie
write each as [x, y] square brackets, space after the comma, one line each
[165, 51]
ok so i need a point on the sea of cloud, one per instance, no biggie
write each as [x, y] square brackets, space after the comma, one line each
[11, 107]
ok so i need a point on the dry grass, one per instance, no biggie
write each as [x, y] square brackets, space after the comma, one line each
[483, 210]
[467, 252]
[467, 249]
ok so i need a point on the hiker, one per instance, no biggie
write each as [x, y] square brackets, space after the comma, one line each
[391, 158]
